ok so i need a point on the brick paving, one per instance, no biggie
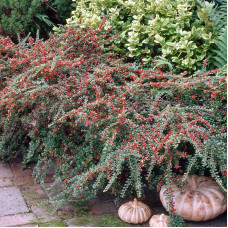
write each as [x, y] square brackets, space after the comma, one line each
[21, 203]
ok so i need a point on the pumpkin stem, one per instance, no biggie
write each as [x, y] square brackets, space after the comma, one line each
[194, 183]
[135, 202]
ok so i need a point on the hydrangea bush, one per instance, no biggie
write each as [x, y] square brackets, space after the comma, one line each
[104, 124]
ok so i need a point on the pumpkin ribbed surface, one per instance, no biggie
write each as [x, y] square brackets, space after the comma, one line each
[159, 221]
[202, 199]
[134, 212]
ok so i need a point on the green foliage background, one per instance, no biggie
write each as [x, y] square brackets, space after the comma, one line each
[217, 55]
[24, 16]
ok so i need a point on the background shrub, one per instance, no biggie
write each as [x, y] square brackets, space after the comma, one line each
[26, 16]
[104, 124]
[175, 30]
[217, 54]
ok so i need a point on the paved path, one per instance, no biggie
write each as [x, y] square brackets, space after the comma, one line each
[13, 209]
[19, 197]
[21, 204]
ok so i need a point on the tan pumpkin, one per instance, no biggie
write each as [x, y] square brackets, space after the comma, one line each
[134, 212]
[159, 221]
[202, 199]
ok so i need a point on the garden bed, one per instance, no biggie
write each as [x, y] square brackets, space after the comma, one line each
[124, 104]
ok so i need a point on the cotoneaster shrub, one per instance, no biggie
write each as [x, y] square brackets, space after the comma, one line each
[175, 30]
[104, 124]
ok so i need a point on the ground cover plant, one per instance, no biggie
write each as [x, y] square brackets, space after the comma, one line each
[180, 31]
[105, 124]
